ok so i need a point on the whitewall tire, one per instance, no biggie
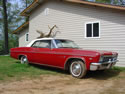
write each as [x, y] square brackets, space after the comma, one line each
[24, 60]
[78, 69]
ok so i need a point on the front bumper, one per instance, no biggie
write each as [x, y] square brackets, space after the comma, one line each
[102, 66]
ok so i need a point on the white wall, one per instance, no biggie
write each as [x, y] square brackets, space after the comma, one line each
[22, 37]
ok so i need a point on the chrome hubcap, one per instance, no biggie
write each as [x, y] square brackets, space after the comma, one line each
[76, 69]
[23, 60]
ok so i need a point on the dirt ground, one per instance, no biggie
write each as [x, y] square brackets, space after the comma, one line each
[66, 84]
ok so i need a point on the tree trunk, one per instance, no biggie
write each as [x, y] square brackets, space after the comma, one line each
[6, 49]
[26, 3]
[27, 18]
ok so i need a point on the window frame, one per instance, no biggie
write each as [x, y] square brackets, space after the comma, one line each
[52, 44]
[92, 30]
[26, 37]
[46, 11]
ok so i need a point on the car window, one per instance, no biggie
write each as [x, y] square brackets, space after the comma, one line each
[36, 44]
[65, 44]
[42, 44]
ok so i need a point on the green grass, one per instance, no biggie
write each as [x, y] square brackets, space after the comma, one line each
[12, 69]
[119, 68]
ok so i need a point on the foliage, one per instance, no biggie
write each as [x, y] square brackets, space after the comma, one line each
[1, 45]
[103, 1]
[26, 2]
[116, 2]
[12, 69]
[14, 20]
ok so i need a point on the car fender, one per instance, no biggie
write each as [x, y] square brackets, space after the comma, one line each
[73, 57]
[22, 55]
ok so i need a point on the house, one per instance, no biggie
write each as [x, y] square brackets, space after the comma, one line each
[91, 25]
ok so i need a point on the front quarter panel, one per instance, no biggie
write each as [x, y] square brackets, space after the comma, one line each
[86, 59]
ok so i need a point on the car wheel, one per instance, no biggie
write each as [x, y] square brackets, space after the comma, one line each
[24, 60]
[78, 69]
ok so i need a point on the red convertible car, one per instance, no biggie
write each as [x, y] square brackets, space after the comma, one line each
[64, 54]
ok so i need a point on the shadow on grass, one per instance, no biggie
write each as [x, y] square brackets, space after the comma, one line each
[53, 69]
[99, 75]
[102, 75]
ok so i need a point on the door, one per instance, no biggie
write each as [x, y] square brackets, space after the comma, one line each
[42, 52]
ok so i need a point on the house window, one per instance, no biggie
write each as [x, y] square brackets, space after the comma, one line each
[46, 11]
[92, 30]
[27, 37]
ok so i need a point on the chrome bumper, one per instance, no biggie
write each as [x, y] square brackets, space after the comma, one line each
[102, 66]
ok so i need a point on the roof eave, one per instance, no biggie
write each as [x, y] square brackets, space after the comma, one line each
[97, 4]
[17, 31]
[26, 11]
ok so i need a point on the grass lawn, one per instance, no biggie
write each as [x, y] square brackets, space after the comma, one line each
[12, 69]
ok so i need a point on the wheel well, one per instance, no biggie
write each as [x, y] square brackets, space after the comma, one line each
[69, 61]
[19, 57]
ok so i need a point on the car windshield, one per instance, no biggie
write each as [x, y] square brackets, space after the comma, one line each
[65, 44]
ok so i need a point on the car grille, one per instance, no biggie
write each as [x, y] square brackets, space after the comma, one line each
[107, 59]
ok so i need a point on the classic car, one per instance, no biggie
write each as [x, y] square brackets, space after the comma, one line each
[64, 54]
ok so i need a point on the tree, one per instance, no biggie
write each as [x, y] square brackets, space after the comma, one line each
[6, 49]
[118, 2]
[11, 25]
[115, 2]
[1, 24]
[26, 4]
[13, 19]
[103, 1]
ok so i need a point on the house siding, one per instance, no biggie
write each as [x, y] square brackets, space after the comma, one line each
[22, 37]
[71, 19]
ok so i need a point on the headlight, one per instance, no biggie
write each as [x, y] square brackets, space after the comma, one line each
[101, 59]
[115, 58]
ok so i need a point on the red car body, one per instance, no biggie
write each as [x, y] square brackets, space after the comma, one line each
[60, 57]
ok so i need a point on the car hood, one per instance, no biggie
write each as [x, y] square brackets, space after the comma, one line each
[102, 52]
[93, 52]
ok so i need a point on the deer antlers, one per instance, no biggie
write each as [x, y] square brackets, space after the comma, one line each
[51, 30]
[42, 35]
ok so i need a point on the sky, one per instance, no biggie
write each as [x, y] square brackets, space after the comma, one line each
[16, 1]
